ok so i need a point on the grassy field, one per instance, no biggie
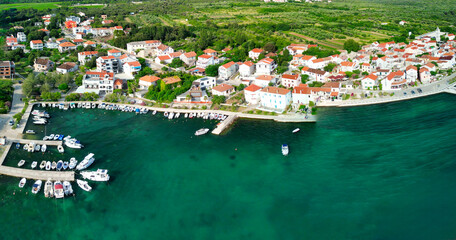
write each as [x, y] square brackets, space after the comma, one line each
[39, 6]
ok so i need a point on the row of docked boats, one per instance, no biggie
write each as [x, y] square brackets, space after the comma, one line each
[55, 189]
[40, 117]
[32, 147]
[203, 115]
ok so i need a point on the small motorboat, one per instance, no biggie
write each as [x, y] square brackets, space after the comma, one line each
[51, 137]
[285, 149]
[53, 165]
[21, 163]
[100, 175]
[30, 132]
[43, 148]
[166, 114]
[36, 186]
[84, 185]
[58, 190]
[67, 188]
[202, 131]
[186, 115]
[65, 165]
[73, 163]
[296, 130]
[42, 164]
[26, 147]
[37, 148]
[48, 165]
[18, 145]
[56, 136]
[60, 148]
[48, 189]
[60, 137]
[59, 165]
[22, 182]
[154, 112]
[34, 163]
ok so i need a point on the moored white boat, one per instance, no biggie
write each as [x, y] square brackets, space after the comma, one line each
[154, 112]
[22, 182]
[21, 163]
[30, 132]
[48, 189]
[37, 148]
[65, 165]
[201, 131]
[285, 149]
[58, 189]
[296, 130]
[88, 160]
[67, 188]
[34, 163]
[36, 186]
[73, 143]
[59, 165]
[48, 165]
[84, 185]
[101, 175]
[60, 148]
[53, 165]
[73, 163]
[43, 148]
[42, 164]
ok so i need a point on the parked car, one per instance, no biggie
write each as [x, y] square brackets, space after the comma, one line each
[405, 93]
[11, 122]
[413, 92]
[419, 90]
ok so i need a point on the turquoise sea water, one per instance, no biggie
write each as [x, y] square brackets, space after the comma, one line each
[375, 172]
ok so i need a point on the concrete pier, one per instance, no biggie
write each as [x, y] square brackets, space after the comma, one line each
[224, 124]
[40, 142]
[37, 174]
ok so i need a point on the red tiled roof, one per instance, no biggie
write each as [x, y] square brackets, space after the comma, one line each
[222, 87]
[252, 88]
[275, 90]
[149, 78]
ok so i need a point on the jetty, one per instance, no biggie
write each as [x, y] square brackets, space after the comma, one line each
[224, 124]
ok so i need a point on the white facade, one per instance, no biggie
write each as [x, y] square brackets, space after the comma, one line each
[227, 70]
[21, 37]
[206, 82]
[252, 94]
[204, 61]
[275, 98]
[247, 69]
[265, 66]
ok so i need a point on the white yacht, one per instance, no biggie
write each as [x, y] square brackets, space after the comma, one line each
[88, 160]
[42, 164]
[101, 175]
[48, 189]
[22, 182]
[37, 147]
[285, 149]
[43, 148]
[202, 131]
[84, 185]
[171, 115]
[73, 163]
[296, 130]
[34, 163]
[73, 143]
[53, 165]
[67, 188]
[154, 112]
[36, 186]
[48, 165]
[58, 190]
[65, 165]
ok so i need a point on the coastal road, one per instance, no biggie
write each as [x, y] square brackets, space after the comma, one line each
[16, 107]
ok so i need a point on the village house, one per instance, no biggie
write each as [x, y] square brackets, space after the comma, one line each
[315, 74]
[255, 53]
[303, 60]
[205, 60]
[66, 46]
[227, 70]
[78, 42]
[265, 66]
[36, 45]
[84, 56]
[206, 82]
[164, 59]
[188, 58]
[90, 44]
[303, 94]
[264, 80]
[131, 67]
[18, 46]
[147, 81]
[275, 98]
[425, 75]
[67, 67]
[10, 41]
[7, 69]
[247, 69]
[366, 67]
[411, 74]
[115, 53]
[369, 82]
[42, 65]
[347, 66]
[142, 45]
[163, 50]
[210, 52]
[21, 37]
[394, 81]
[291, 80]
[222, 90]
[252, 94]
[100, 82]
[194, 95]
[109, 64]
[51, 44]
[298, 48]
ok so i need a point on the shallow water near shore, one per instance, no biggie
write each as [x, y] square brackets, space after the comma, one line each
[375, 172]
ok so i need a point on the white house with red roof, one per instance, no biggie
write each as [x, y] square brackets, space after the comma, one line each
[247, 69]
[164, 50]
[298, 48]
[205, 60]
[84, 56]
[36, 44]
[425, 75]
[369, 82]
[131, 67]
[164, 59]
[265, 66]
[394, 81]
[147, 81]
[366, 67]
[223, 90]
[252, 94]
[315, 74]
[411, 74]
[264, 80]
[291, 80]
[227, 70]
[142, 45]
[303, 60]
[115, 53]
[210, 52]
[347, 66]
[66, 47]
[255, 53]
[11, 40]
[275, 98]
[188, 58]
[109, 64]
[100, 82]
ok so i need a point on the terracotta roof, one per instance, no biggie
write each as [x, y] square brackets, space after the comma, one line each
[204, 56]
[67, 65]
[171, 80]
[164, 57]
[190, 54]
[36, 41]
[67, 44]
[152, 41]
[257, 50]
[113, 51]
[266, 60]
[347, 64]
[372, 76]
[107, 57]
[222, 87]
[332, 85]
[248, 63]
[118, 82]
[275, 90]
[134, 64]
[209, 51]
[78, 40]
[290, 76]
[252, 88]
[411, 67]
[265, 77]
[88, 53]
[89, 43]
[228, 65]
[42, 61]
[149, 78]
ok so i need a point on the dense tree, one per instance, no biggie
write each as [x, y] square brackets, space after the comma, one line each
[351, 45]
